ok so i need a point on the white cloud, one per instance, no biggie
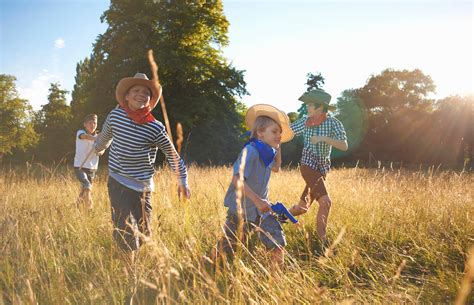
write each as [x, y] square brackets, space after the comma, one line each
[59, 43]
[37, 92]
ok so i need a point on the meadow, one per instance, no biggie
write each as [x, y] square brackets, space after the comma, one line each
[399, 236]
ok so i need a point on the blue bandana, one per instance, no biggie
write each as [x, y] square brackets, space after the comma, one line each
[265, 151]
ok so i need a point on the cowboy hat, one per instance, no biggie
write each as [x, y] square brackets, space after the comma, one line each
[317, 96]
[275, 114]
[139, 79]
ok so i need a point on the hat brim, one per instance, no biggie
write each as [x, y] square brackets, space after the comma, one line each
[311, 100]
[128, 82]
[275, 114]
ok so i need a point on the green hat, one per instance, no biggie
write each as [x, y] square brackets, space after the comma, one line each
[317, 96]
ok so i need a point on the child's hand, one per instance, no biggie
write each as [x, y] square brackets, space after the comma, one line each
[263, 205]
[184, 191]
[316, 139]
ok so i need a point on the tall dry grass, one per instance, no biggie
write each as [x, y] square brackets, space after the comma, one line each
[400, 237]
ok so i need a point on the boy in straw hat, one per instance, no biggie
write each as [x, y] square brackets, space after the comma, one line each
[320, 133]
[269, 127]
[135, 136]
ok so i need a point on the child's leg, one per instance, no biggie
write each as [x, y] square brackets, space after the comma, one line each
[322, 217]
[142, 213]
[314, 189]
[90, 177]
[272, 236]
[126, 225]
[227, 245]
[85, 196]
[277, 257]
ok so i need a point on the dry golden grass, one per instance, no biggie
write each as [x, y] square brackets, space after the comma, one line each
[402, 237]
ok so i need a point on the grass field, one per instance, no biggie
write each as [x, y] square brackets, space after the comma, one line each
[404, 237]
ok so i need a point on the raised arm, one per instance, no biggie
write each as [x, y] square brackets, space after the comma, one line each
[85, 136]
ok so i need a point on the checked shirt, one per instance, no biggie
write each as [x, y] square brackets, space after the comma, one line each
[317, 156]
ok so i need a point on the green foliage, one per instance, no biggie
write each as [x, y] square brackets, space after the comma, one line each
[199, 85]
[398, 108]
[314, 81]
[79, 105]
[16, 126]
[53, 123]
[452, 131]
[352, 113]
[396, 90]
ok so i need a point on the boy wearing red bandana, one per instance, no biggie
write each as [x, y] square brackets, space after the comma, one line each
[134, 137]
[320, 132]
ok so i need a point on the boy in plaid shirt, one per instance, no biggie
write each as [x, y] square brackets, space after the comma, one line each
[321, 132]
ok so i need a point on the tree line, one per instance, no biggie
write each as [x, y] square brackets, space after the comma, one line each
[392, 117]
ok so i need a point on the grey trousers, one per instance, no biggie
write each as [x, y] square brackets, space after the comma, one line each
[131, 213]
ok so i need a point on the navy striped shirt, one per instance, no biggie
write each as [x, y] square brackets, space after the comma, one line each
[133, 148]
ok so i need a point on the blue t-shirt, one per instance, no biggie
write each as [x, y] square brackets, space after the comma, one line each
[257, 177]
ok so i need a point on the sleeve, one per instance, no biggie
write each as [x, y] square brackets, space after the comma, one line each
[298, 126]
[174, 160]
[339, 133]
[105, 137]
[250, 161]
[79, 133]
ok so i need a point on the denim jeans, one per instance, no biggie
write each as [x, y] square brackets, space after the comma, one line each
[85, 176]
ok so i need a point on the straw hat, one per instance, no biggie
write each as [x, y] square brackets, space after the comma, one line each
[317, 96]
[277, 115]
[139, 79]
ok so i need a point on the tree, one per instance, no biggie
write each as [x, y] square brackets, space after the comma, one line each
[352, 112]
[452, 131]
[53, 124]
[80, 96]
[16, 127]
[398, 109]
[199, 85]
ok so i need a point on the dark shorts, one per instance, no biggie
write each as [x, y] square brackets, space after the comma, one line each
[131, 214]
[314, 183]
[85, 176]
[270, 233]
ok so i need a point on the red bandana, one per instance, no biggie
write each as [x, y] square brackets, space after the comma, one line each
[140, 116]
[316, 121]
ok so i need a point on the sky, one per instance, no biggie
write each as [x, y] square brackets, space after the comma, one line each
[276, 43]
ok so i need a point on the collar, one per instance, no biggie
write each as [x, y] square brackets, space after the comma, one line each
[265, 151]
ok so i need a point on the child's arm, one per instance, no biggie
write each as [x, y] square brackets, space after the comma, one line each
[262, 204]
[338, 136]
[85, 136]
[175, 161]
[298, 126]
[277, 165]
[104, 138]
[339, 144]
